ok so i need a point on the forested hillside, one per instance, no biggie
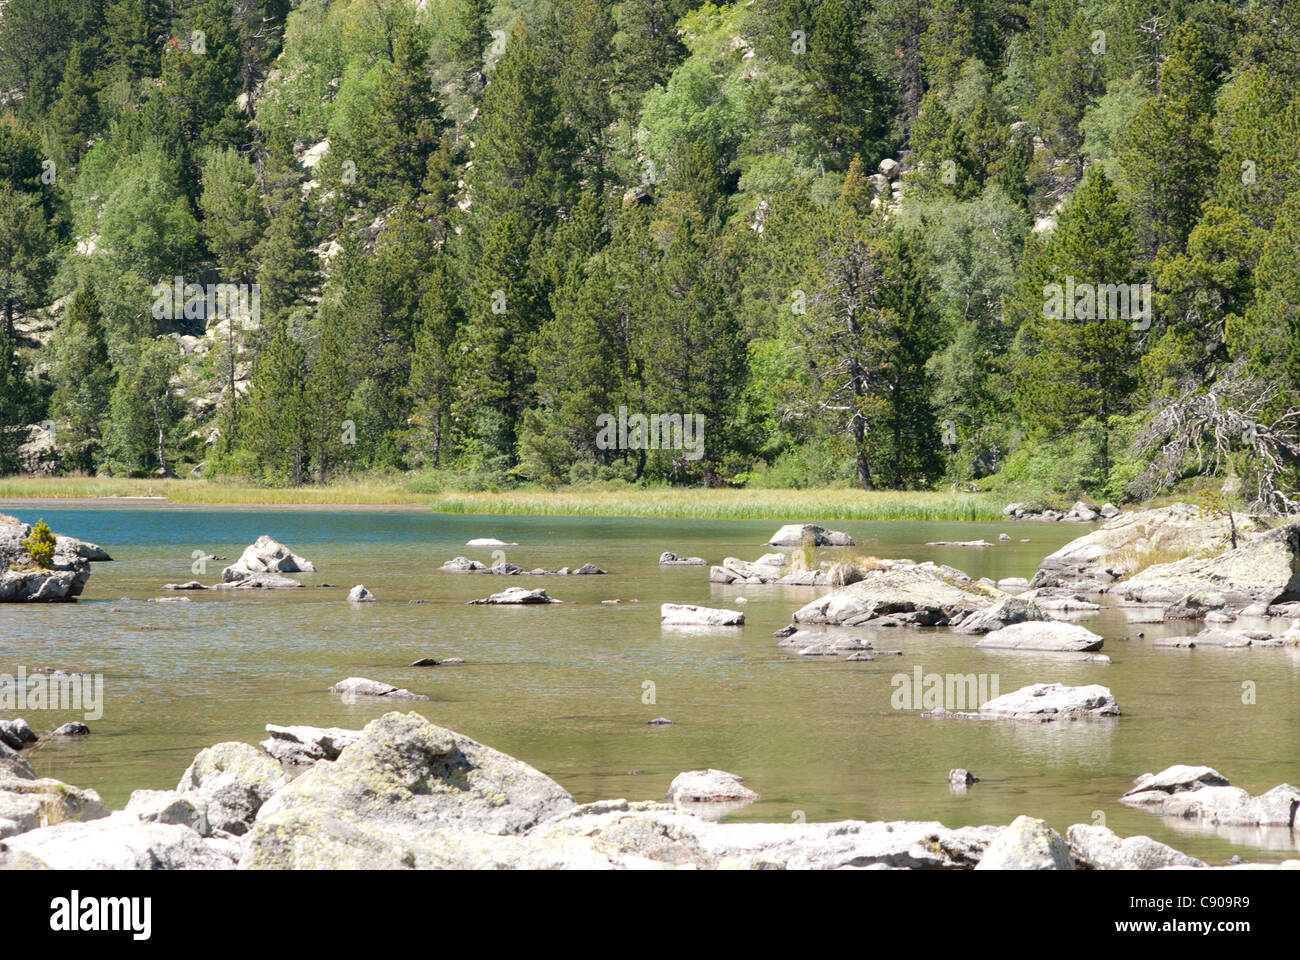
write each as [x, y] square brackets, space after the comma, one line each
[890, 244]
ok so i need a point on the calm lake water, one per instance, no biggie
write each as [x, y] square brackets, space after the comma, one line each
[562, 686]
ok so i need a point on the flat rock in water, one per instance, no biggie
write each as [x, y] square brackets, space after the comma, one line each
[708, 786]
[1152, 788]
[258, 581]
[516, 596]
[488, 542]
[1042, 703]
[1043, 635]
[1027, 844]
[187, 585]
[689, 615]
[363, 687]
[667, 559]
[801, 534]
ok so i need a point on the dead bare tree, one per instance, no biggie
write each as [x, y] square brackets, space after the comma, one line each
[1200, 428]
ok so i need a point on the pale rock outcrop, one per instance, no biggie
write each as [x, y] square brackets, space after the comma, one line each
[690, 615]
[804, 534]
[1098, 848]
[1027, 844]
[1044, 636]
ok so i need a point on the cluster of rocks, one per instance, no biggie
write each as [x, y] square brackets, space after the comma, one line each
[261, 567]
[405, 794]
[22, 581]
[502, 568]
[1079, 513]
[771, 568]
[669, 559]
[1202, 793]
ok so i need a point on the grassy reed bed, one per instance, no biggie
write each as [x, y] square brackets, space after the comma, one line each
[343, 493]
[824, 504]
[584, 501]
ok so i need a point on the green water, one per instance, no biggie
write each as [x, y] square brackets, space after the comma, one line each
[562, 686]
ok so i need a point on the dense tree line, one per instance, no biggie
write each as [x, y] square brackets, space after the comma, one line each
[471, 229]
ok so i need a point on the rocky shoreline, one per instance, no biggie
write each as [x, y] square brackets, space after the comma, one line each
[403, 793]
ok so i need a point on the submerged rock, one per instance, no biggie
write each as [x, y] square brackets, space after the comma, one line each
[801, 534]
[516, 595]
[689, 615]
[257, 581]
[667, 559]
[489, 542]
[363, 687]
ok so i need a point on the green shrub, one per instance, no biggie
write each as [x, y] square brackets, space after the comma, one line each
[40, 544]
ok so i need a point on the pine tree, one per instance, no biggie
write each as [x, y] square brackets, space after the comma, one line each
[82, 379]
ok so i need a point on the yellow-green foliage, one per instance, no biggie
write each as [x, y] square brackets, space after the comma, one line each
[40, 545]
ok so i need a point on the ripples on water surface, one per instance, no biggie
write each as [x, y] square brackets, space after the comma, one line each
[561, 686]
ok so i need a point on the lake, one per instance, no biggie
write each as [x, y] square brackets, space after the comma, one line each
[562, 686]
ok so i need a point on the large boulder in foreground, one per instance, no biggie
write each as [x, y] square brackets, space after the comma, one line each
[122, 841]
[809, 534]
[1027, 844]
[1043, 636]
[229, 782]
[1043, 703]
[1098, 848]
[930, 594]
[29, 804]
[266, 555]
[1125, 544]
[405, 785]
[1264, 568]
